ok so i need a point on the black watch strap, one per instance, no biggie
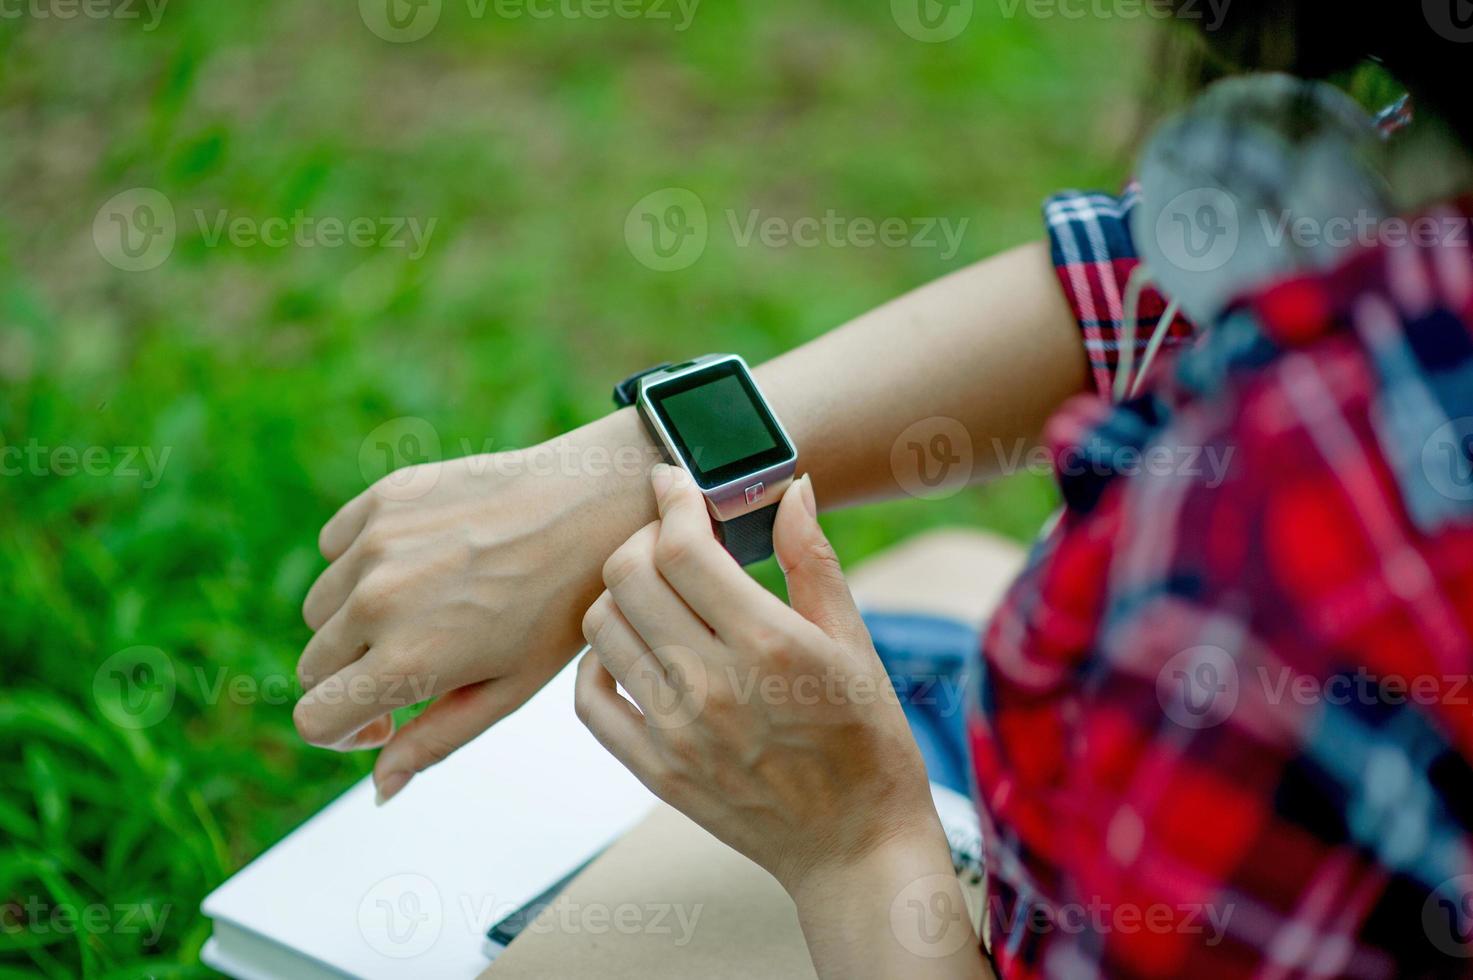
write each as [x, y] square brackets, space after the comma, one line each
[626, 391]
[749, 538]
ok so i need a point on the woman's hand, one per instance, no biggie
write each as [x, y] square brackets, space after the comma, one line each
[463, 581]
[775, 728]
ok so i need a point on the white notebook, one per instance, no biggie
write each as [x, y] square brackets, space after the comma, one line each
[410, 889]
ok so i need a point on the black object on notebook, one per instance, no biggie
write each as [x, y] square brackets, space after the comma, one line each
[509, 928]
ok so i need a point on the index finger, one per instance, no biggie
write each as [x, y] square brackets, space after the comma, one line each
[343, 528]
[355, 696]
[695, 564]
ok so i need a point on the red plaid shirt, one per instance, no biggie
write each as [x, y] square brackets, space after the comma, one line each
[1223, 723]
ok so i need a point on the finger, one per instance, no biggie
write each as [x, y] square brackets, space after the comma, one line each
[373, 735]
[344, 527]
[690, 558]
[348, 700]
[646, 600]
[454, 719]
[817, 588]
[331, 589]
[331, 648]
[614, 721]
[623, 653]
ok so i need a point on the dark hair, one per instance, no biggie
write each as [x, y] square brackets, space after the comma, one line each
[1422, 45]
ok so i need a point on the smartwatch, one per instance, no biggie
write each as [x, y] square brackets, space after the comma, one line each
[710, 419]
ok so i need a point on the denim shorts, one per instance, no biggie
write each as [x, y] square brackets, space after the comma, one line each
[929, 660]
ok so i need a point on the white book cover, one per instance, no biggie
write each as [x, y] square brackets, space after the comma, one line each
[410, 889]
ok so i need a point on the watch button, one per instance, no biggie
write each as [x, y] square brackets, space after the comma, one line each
[755, 492]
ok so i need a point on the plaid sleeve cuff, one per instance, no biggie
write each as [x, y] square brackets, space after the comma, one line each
[1093, 254]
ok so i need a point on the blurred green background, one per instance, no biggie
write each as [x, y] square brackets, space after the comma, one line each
[261, 370]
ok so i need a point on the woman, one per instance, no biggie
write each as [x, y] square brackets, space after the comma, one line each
[1219, 714]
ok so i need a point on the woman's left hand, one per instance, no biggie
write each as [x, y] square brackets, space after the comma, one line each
[775, 728]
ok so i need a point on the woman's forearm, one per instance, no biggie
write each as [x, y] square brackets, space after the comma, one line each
[990, 350]
[984, 355]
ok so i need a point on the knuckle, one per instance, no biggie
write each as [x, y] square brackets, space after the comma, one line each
[311, 725]
[371, 549]
[412, 661]
[674, 550]
[769, 643]
[594, 620]
[430, 749]
[373, 597]
[821, 555]
[622, 564]
[583, 707]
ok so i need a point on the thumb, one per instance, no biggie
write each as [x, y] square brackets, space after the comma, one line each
[816, 586]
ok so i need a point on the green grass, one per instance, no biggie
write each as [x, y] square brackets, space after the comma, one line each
[261, 370]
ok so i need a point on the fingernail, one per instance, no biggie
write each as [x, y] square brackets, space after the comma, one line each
[387, 788]
[660, 478]
[809, 503]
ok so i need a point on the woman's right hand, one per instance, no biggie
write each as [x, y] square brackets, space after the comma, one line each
[464, 581]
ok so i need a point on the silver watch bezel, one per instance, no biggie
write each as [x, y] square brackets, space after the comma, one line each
[730, 499]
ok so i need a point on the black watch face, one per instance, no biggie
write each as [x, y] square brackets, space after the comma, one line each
[720, 426]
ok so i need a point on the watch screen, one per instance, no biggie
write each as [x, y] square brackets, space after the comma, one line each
[720, 425]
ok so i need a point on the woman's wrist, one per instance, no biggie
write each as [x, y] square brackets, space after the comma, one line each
[897, 910]
[917, 849]
[610, 459]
